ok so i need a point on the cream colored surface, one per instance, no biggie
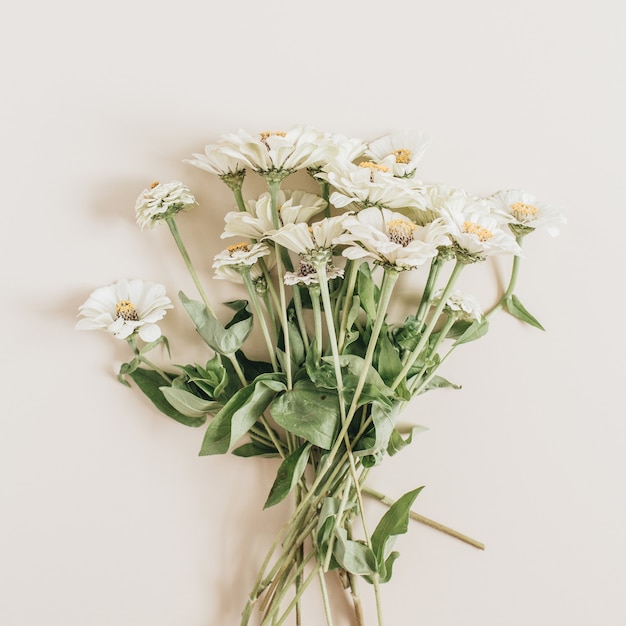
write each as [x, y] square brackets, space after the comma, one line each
[109, 517]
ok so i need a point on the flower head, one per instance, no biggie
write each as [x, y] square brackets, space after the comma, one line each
[126, 307]
[403, 149]
[475, 233]
[307, 274]
[461, 305]
[524, 213]
[278, 152]
[160, 201]
[293, 207]
[390, 238]
[241, 255]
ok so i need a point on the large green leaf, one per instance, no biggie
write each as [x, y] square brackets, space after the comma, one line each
[288, 475]
[188, 404]
[308, 412]
[368, 291]
[474, 331]
[394, 522]
[354, 556]
[150, 382]
[517, 309]
[237, 416]
[223, 340]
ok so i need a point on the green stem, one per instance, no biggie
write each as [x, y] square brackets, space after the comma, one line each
[245, 273]
[324, 590]
[433, 273]
[431, 325]
[425, 520]
[183, 251]
[353, 270]
[512, 281]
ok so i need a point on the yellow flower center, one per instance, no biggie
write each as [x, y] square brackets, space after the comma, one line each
[403, 155]
[521, 211]
[238, 247]
[271, 133]
[401, 232]
[126, 309]
[154, 184]
[481, 232]
[374, 166]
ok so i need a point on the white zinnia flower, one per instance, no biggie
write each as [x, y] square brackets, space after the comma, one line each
[293, 207]
[282, 152]
[242, 254]
[368, 184]
[216, 161]
[307, 240]
[463, 305]
[405, 148]
[162, 200]
[233, 272]
[390, 238]
[126, 307]
[307, 274]
[475, 233]
[524, 213]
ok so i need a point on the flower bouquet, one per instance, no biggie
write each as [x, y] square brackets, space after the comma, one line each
[319, 271]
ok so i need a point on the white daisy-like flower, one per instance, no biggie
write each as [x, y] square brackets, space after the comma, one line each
[216, 161]
[293, 207]
[368, 184]
[405, 148]
[232, 273]
[126, 307]
[162, 200]
[390, 238]
[241, 254]
[306, 240]
[346, 150]
[475, 233]
[463, 306]
[307, 274]
[524, 213]
[277, 151]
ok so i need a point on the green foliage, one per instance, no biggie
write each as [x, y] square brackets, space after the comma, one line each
[151, 383]
[288, 475]
[517, 309]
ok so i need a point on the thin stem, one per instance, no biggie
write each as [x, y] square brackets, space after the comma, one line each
[425, 520]
[353, 271]
[183, 251]
[430, 326]
[245, 274]
[512, 281]
[324, 590]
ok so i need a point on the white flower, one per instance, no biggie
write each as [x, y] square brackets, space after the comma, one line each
[126, 307]
[162, 200]
[405, 149]
[240, 254]
[305, 240]
[390, 238]
[293, 207]
[345, 150]
[475, 232]
[284, 152]
[216, 161]
[524, 213]
[368, 184]
[224, 271]
[463, 305]
[307, 274]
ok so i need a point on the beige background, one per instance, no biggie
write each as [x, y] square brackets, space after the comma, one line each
[109, 517]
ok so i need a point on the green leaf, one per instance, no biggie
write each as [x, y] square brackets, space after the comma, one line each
[388, 363]
[438, 382]
[296, 345]
[393, 523]
[397, 442]
[223, 340]
[150, 382]
[385, 576]
[354, 364]
[383, 419]
[236, 418]
[254, 448]
[474, 331]
[368, 291]
[308, 412]
[288, 475]
[353, 556]
[517, 309]
[188, 404]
